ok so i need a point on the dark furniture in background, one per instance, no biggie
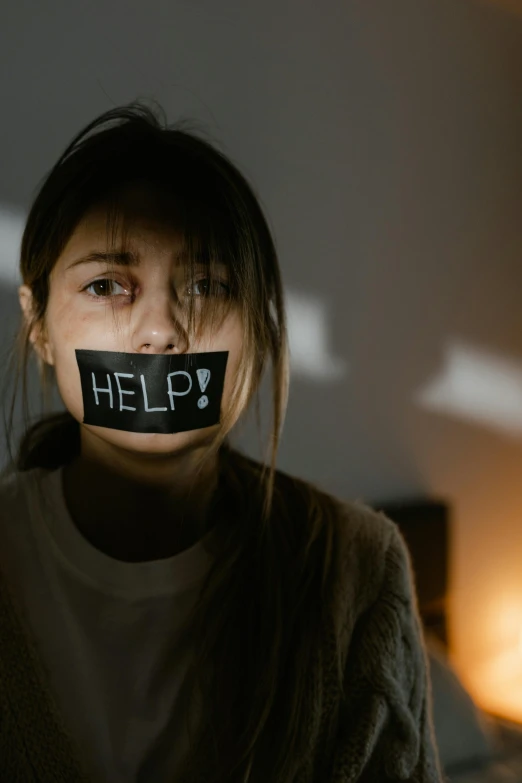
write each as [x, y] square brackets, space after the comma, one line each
[425, 525]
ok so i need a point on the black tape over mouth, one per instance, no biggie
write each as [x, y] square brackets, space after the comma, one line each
[162, 393]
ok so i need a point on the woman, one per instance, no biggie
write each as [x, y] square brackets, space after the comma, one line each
[172, 610]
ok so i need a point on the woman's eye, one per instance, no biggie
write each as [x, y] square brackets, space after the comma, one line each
[104, 287]
[208, 287]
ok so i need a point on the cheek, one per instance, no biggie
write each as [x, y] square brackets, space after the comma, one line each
[62, 326]
[65, 333]
[68, 378]
[69, 328]
[228, 338]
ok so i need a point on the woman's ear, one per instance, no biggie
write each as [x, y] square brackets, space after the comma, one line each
[37, 333]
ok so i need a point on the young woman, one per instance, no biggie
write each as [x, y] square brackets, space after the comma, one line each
[171, 610]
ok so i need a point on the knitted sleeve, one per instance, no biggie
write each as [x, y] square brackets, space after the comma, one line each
[385, 730]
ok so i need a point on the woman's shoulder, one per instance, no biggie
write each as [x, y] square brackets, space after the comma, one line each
[360, 552]
[359, 536]
[354, 519]
[370, 562]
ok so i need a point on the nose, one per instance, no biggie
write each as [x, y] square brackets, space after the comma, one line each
[156, 329]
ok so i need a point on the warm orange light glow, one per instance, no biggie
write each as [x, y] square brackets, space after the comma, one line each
[496, 682]
[498, 685]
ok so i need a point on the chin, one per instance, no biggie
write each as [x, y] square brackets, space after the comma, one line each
[154, 444]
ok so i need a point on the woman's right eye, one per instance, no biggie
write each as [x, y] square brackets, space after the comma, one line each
[104, 287]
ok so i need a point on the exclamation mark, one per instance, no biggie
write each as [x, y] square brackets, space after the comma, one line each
[203, 379]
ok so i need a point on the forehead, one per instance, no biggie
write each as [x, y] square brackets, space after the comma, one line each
[149, 229]
[147, 223]
[144, 233]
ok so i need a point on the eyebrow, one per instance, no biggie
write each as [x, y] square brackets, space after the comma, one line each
[119, 258]
[126, 258]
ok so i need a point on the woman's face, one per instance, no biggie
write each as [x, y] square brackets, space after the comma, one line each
[133, 309]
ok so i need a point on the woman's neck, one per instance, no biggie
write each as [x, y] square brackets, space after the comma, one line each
[133, 513]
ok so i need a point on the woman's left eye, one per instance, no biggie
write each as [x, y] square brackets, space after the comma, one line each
[208, 287]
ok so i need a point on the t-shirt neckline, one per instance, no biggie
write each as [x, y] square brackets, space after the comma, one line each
[166, 576]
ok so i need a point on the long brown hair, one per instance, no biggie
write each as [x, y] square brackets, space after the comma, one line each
[266, 604]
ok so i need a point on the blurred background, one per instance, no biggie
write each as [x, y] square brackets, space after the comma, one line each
[385, 142]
